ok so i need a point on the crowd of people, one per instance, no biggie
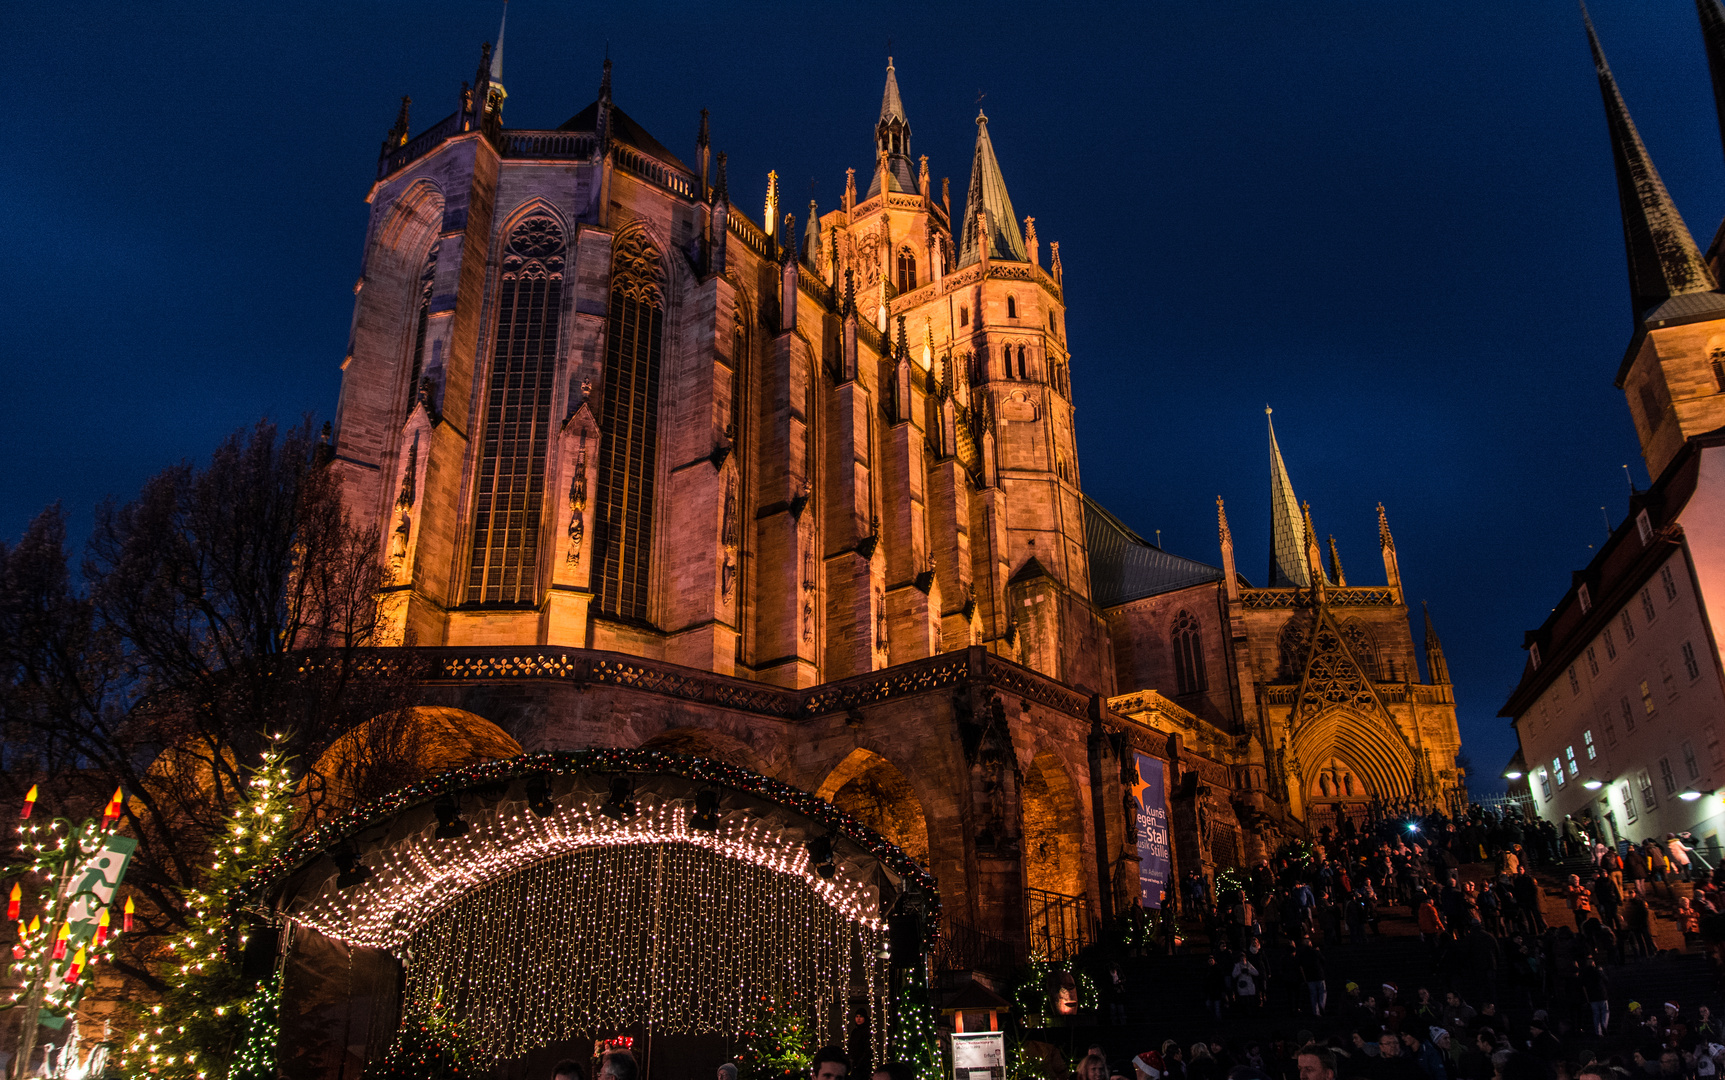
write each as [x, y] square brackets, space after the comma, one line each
[1508, 994]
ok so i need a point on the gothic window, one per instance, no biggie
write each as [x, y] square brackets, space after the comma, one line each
[1023, 371]
[1363, 647]
[964, 316]
[629, 451]
[1012, 307]
[1294, 646]
[416, 364]
[1189, 676]
[906, 270]
[1719, 368]
[511, 480]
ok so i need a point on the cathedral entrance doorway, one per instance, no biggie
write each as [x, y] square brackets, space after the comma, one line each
[539, 907]
[1337, 794]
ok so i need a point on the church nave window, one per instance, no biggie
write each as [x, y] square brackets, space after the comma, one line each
[628, 454]
[1189, 676]
[511, 481]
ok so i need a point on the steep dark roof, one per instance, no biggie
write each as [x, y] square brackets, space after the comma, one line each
[1124, 566]
[625, 129]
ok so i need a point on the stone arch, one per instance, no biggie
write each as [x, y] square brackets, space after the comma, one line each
[395, 749]
[1368, 745]
[871, 789]
[529, 208]
[1051, 827]
[702, 742]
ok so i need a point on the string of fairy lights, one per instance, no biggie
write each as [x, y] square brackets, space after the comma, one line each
[558, 915]
[673, 936]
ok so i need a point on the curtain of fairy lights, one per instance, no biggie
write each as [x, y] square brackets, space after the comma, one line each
[670, 935]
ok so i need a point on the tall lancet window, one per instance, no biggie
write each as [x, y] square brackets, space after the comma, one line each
[511, 482]
[629, 448]
[906, 270]
[1188, 655]
[416, 364]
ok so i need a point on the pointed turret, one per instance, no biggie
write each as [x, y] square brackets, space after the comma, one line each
[1287, 524]
[1230, 580]
[1336, 574]
[812, 238]
[1314, 558]
[1663, 259]
[1435, 663]
[998, 236]
[892, 141]
[1712, 14]
[498, 94]
[1392, 569]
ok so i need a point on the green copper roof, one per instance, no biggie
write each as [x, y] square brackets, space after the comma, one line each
[1287, 525]
[988, 194]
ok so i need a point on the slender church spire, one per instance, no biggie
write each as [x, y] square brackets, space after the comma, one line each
[1288, 566]
[498, 94]
[1712, 14]
[892, 141]
[1435, 663]
[1663, 259]
[988, 198]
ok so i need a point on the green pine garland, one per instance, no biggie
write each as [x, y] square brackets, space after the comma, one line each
[213, 1023]
[776, 1045]
[427, 1047]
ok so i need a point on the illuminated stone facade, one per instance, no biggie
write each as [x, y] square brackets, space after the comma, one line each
[806, 496]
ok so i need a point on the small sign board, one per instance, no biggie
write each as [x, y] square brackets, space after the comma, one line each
[979, 1055]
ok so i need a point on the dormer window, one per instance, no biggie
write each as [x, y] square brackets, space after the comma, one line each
[1582, 598]
[1533, 655]
[1643, 527]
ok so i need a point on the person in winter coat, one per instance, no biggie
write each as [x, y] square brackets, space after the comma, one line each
[1247, 977]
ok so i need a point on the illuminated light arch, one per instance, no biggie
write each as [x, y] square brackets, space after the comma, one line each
[539, 930]
[876, 792]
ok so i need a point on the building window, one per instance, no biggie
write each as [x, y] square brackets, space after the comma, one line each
[1587, 741]
[1666, 777]
[1710, 733]
[1006, 359]
[1645, 783]
[1643, 527]
[1533, 655]
[1666, 579]
[1628, 628]
[1557, 770]
[1629, 811]
[1574, 683]
[1584, 598]
[1610, 646]
[1647, 605]
[1628, 716]
[964, 316]
[1189, 675]
[504, 568]
[1610, 728]
[1544, 785]
[416, 363]
[1689, 663]
[1023, 369]
[1690, 765]
[628, 454]
[1647, 697]
[1592, 663]
[1569, 752]
[1012, 307]
[1719, 368]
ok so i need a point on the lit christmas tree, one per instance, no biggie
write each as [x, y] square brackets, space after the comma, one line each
[776, 1045]
[214, 1023]
[428, 1047]
[913, 1038]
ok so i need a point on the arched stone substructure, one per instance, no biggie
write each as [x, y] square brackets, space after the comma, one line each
[869, 788]
[1052, 828]
[701, 742]
[399, 748]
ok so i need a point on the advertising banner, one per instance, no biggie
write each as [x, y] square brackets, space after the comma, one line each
[1149, 801]
[979, 1055]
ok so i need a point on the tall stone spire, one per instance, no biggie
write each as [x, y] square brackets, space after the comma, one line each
[1288, 566]
[988, 198]
[1663, 259]
[1712, 14]
[1435, 663]
[892, 141]
[498, 94]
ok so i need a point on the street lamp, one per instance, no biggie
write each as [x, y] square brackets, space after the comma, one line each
[1593, 784]
[1513, 774]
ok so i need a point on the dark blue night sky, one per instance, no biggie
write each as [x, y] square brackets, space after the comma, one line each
[1396, 223]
